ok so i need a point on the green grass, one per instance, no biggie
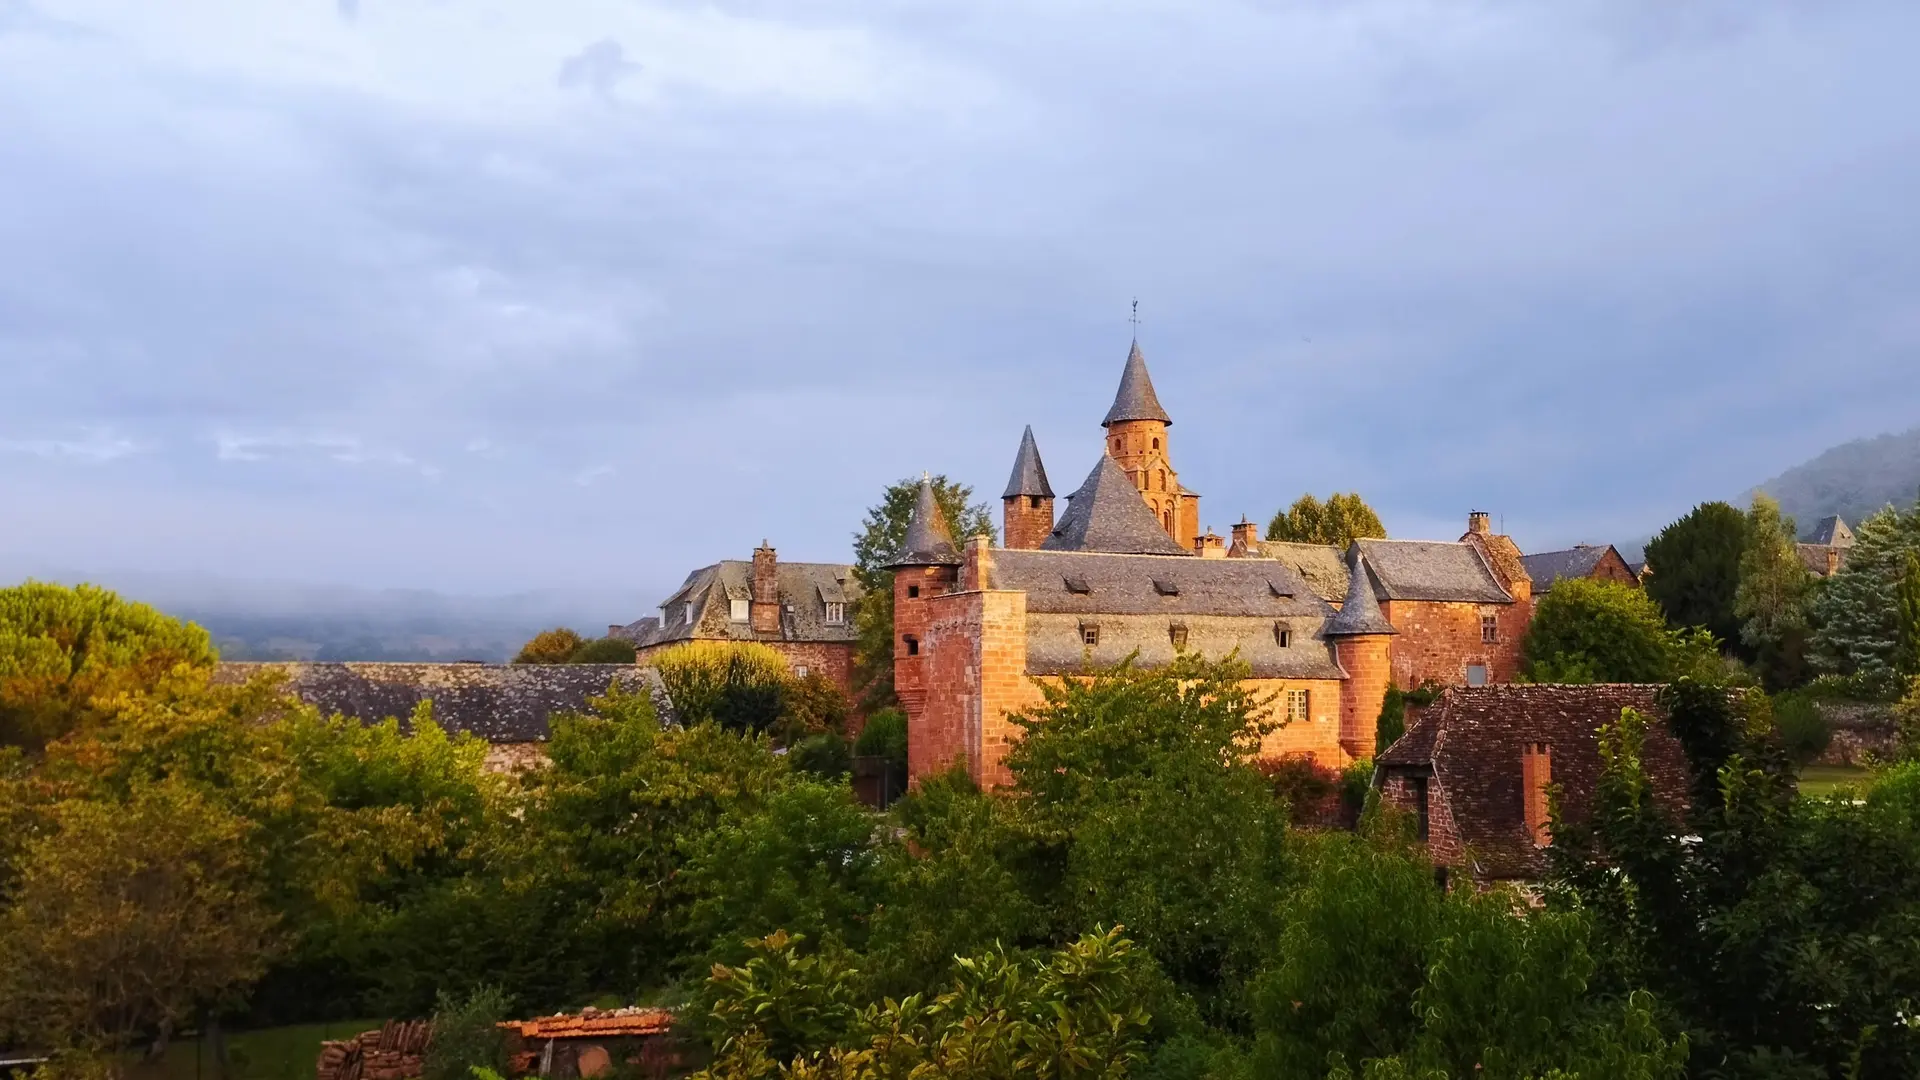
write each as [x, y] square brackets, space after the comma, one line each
[282, 1053]
[1819, 781]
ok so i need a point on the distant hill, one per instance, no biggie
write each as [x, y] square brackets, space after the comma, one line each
[1852, 480]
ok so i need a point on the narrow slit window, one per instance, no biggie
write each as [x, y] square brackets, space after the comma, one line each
[912, 643]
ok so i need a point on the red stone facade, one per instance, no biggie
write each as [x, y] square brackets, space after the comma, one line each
[1368, 662]
[1026, 520]
[1142, 449]
[1441, 642]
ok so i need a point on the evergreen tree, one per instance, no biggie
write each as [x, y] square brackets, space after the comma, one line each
[1342, 519]
[1695, 564]
[1908, 604]
[1858, 612]
[878, 540]
[1771, 600]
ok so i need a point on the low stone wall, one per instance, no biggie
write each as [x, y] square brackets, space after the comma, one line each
[1860, 729]
[394, 1052]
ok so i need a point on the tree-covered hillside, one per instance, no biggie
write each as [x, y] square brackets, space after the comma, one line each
[1853, 479]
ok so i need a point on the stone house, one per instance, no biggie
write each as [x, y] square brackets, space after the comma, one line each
[804, 611]
[1474, 767]
[1601, 562]
[1824, 550]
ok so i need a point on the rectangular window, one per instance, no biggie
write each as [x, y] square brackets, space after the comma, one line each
[1476, 674]
[913, 591]
[1090, 636]
[1299, 703]
[1489, 628]
[912, 643]
[1283, 635]
[738, 610]
[800, 671]
[1178, 634]
[686, 612]
[836, 613]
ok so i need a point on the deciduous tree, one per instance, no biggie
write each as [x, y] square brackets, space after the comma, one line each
[877, 542]
[1342, 519]
[555, 646]
[1603, 631]
[1771, 601]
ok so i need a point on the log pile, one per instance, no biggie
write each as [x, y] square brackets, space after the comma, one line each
[394, 1052]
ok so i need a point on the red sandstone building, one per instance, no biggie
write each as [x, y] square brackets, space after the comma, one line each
[1127, 571]
[804, 611]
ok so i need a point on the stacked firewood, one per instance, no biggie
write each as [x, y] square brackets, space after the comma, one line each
[394, 1052]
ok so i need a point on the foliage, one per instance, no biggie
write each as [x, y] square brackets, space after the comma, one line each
[65, 653]
[1772, 597]
[1695, 564]
[467, 1036]
[1105, 763]
[1907, 616]
[1340, 520]
[1392, 722]
[1804, 731]
[1604, 631]
[606, 650]
[555, 646]
[1858, 612]
[1783, 931]
[825, 756]
[881, 534]
[127, 917]
[814, 705]
[1079, 1012]
[741, 686]
[885, 735]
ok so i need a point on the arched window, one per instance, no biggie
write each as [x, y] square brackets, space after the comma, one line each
[1163, 479]
[1168, 517]
[1156, 444]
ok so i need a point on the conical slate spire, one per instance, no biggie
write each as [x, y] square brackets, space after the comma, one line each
[929, 542]
[1108, 514]
[1360, 614]
[1136, 400]
[1029, 476]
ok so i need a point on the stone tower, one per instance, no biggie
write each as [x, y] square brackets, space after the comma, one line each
[1363, 644]
[1137, 439]
[927, 566]
[1027, 504]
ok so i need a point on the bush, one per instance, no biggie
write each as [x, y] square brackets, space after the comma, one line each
[1804, 732]
[824, 755]
[884, 736]
[554, 646]
[467, 1036]
[606, 650]
[815, 704]
[739, 685]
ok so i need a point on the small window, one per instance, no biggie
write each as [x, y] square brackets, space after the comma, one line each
[1078, 585]
[1156, 444]
[913, 592]
[836, 613]
[1298, 705]
[912, 643]
[1166, 587]
[1282, 635]
[800, 671]
[1178, 633]
[1476, 674]
[1489, 628]
[686, 612]
[1089, 635]
[739, 610]
[1033, 502]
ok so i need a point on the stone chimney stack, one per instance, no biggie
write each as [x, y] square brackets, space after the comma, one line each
[1833, 561]
[1478, 521]
[1246, 537]
[1536, 772]
[764, 612]
[1210, 545]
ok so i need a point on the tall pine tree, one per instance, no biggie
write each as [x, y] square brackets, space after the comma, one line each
[1859, 612]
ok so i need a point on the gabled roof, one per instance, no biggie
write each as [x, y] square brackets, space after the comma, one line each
[1108, 514]
[1432, 570]
[1135, 399]
[1360, 614]
[1814, 556]
[1832, 531]
[929, 541]
[1471, 740]
[701, 609]
[1029, 475]
[1546, 567]
[1323, 566]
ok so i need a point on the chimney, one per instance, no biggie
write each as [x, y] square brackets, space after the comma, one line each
[764, 612]
[1833, 561]
[1479, 522]
[1536, 772]
[1210, 545]
[1246, 537]
[976, 565]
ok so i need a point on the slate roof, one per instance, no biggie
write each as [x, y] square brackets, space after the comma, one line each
[1056, 646]
[805, 590]
[1360, 613]
[636, 631]
[501, 703]
[1814, 556]
[1124, 585]
[929, 542]
[1108, 514]
[1323, 566]
[1471, 739]
[1832, 531]
[1136, 399]
[1547, 567]
[1029, 475]
[1431, 570]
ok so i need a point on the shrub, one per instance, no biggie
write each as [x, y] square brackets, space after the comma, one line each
[741, 686]
[884, 736]
[554, 646]
[825, 755]
[1804, 732]
[467, 1036]
[606, 650]
[814, 704]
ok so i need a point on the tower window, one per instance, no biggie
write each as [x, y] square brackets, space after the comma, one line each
[913, 592]
[1156, 444]
[836, 612]
[1033, 502]
[738, 610]
[912, 643]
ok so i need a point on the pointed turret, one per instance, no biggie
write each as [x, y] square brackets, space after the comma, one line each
[1136, 399]
[1029, 475]
[1360, 615]
[1027, 507]
[1107, 514]
[929, 542]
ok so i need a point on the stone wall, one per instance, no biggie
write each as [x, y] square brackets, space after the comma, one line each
[833, 659]
[1438, 640]
[393, 1052]
[1861, 730]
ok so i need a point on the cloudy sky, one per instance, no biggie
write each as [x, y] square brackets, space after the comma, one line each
[487, 295]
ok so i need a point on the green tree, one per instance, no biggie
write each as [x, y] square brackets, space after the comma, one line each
[1695, 569]
[65, 652]
[1907, 613]
[1771, 601]
[467, 1035]
[1858, 612]
[877, 542]
[741, 686]
[1342, 519]
[1600, 631]
[606, 650]
[128, 917]
[555, 646]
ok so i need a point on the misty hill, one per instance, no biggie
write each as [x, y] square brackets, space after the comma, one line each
[1853, 480]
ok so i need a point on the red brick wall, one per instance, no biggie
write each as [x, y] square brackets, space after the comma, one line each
[1318, 736]
[1614, 568]
[1026, 526]
[1438, 640]
[1368, 662]
[1443, 836]
[910, 620]
[763, 609]
[834, 659]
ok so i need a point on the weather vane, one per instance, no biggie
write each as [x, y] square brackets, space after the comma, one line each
[1135, 317]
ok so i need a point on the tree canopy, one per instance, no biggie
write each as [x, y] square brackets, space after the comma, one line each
[555, 646]
[1771, 600]
[1342, 519]
[1694, 569]
[878, 541]
[1603, 631]
[1859, 613]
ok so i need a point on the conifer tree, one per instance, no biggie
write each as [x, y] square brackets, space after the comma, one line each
[1858, 612]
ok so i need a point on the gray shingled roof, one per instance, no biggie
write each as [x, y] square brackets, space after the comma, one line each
[1360, 613]
[1108, 514]
[1056, 643]
[1323, 566]
[701, 608]
[1029, 475]
[1831, 531]
[929, 541]
[1125, 585]
[501, 703]
[1814, 556]
[1136, 399]
[1432, 570]
[1547, 567]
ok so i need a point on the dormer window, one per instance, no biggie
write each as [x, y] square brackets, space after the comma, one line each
[1078, 585]
[686, 613]
[739, 610]
[836, 613]
[1165, 587]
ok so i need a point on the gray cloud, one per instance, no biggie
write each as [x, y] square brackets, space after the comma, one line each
[598, 67]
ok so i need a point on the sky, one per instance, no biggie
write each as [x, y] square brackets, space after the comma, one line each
[488, 296]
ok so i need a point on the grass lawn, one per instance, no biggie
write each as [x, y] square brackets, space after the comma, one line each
[1818, 781]
[282, 1053]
